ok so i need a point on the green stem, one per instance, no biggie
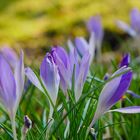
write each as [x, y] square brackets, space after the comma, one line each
[13, 123]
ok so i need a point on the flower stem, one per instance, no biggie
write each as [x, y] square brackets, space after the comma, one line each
[13, 123]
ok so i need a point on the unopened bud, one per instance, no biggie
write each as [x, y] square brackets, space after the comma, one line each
[27, 126]
[27, 122]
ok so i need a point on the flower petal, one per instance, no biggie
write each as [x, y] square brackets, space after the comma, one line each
[94, 25]
[7, 85]
[71, 46]
[135, 19]
[80, 77]
[128, 110]
[9, 55]
[125, 61]
[133, 94]
[92, 47]
[62, 60]
[19, 77]
[62, 55]
[50, 77]
[33, 78]
[126, 28]
[81, 45]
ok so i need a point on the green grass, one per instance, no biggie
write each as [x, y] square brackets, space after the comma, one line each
[35, 105]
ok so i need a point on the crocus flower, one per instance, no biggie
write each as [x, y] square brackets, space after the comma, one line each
[10, 55]
[113, 92]
[66, 64]
[134, 28]
[49, 78]
[11, 87]
[94, 25]
[83, 46]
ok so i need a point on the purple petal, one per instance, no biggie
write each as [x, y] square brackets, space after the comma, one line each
[92, 47]
[133, 94]
[125, 61]
[126, 28]
[121, 89]
[128, 110]
[94, 25]
[121, 71]
[81, 76]
[33, 78]
[19, 77]
[81, 45]
[71, 46]
[73, 57]
[62, 55]
[50, 77]
[7, 85]
[135, 19]
[62, 60]
[112, 92]
[76, 63]
[9, 55]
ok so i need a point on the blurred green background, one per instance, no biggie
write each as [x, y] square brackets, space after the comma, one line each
[42, 23]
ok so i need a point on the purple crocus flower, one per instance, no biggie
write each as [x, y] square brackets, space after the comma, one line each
[134, 28]
[113, 91]
[49, 78]
[11, 84]
[11, 87]
[94, 25]
[66, 64]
